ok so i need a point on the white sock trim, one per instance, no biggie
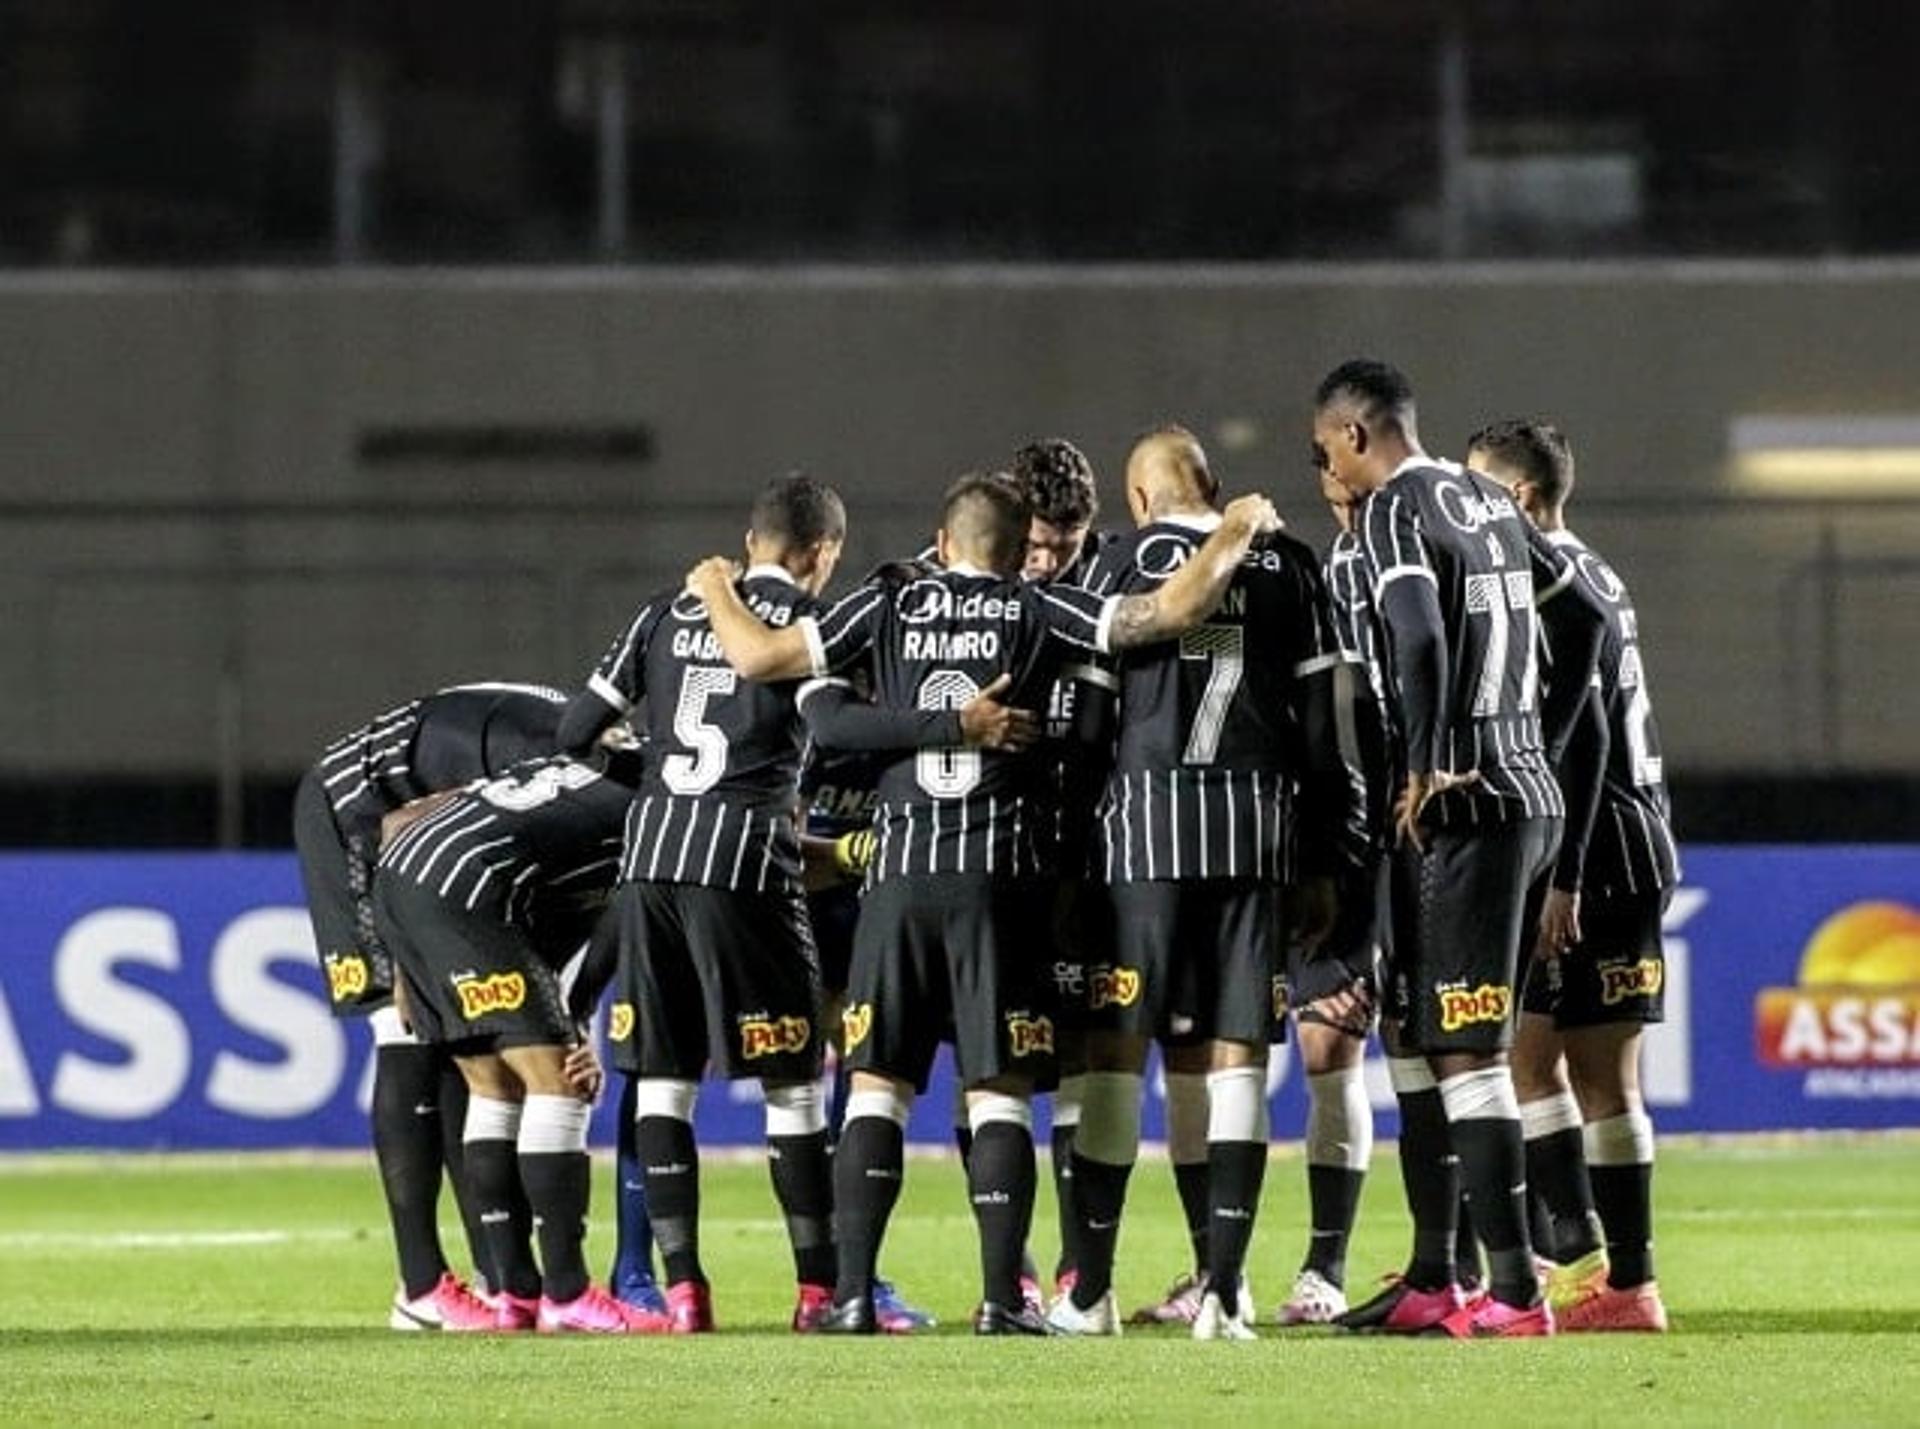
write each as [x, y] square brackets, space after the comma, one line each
[796, 1110]
[1410, 1074]
[490, 1120]
[1237, 1105]
[389, 1030]
[1624, 1140]
[1339, 1119]
[665, 1096]
[1069, 1097]
[984, 1108]
[1484, 1094]
[886, 1105]
[1186, 1118]
[1549, 1116]
[554, 1125]
[1109, 1118]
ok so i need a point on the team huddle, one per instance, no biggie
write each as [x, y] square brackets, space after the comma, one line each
[1046, 797]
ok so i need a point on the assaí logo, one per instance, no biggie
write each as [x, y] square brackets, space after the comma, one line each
[1854, 1020]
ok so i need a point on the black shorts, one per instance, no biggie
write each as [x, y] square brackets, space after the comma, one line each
[832, 913]
[1617, 972]
[338, 873]
[960, 955]
[473, 982]
[1080, 963]
[1349, 954]
[713, 978]
[1198, 960]
[1463, 914]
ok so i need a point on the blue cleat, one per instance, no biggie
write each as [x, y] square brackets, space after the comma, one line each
[893, 1314]
[634, 1285]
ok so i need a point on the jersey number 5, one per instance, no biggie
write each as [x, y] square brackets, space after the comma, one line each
[699, 771]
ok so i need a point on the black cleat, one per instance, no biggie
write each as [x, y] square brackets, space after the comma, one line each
[850, 1317]
[991, 1319]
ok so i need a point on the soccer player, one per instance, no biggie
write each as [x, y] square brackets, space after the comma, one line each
[1334, 993]
[950, 938]
[1453, 566]
[717, 964]
[437, 742]
[1220, 729]
[1601, 973]
[485, 896]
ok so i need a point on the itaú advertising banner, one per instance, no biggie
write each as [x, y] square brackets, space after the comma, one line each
[173, 1001]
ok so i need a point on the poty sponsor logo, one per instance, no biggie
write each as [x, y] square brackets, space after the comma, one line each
[1463, 1007]
[347, 976]
[1029, 1036]
[1115, 987]
[497, 992]
[772, 1036]
[620, 1022]
[1622, 981]
[855, 1023]
[1282, 999]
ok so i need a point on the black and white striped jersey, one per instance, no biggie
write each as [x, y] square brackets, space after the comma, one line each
[1631, 849]
[1455, 529]
[1212, 739]
[439, 741]
[934, 643]
[539, 843]
[1360, 694]
[720, 784]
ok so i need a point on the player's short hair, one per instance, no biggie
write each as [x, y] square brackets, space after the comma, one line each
[1539, 449]
[798, 511]
[989, 514]
[1378, 391]
[1059, 482]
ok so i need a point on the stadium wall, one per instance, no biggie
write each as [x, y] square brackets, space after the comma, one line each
[174, 1002]
[246, 509]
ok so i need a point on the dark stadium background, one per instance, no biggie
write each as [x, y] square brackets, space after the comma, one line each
[355, 348]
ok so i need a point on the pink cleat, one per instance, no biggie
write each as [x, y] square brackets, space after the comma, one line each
[595, 1312]
[1178, 1307]
[813, 1306]
[689, 1308]
[1401, 1309]
[1636, 1309]
[1485, 1318]
[450, 1305]
[514, 1314]
[1030, 1296]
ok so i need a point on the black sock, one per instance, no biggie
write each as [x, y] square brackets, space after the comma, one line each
[558, 1184]
[671, 1166]
[493, 1170]
[406, 1143]
[1333, 1196]
[1539, 1218]
[1190, 1180]
[803, 1184]
[1235, 1172]
[1001, 1178]
[1100, 1194]
[867, 1166]
[1557, 1175]
[1493, 1162]
[453, 1150]
[1625, 1197]
[1468, 1272]
[1431, 1174]
[1063, 1192]
[837, 1101]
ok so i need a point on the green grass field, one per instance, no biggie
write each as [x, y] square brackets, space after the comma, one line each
[237, 1289]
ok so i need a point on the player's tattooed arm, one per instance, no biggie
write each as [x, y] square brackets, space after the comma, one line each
[752, 647]
[1194, 591]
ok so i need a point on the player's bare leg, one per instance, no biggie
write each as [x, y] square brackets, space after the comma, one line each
[1105, 1146]
[868, 1165]
[1067, 1100]
[1238, 1133]
[803, 1184]
[1605, 1066]
[495, 1107]
[1185, 1069]
[1001, 1178]
[1557, 1180]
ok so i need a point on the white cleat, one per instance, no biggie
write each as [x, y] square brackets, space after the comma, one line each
[1214, 1323]
[1067, 1318]
[1316, 1301]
